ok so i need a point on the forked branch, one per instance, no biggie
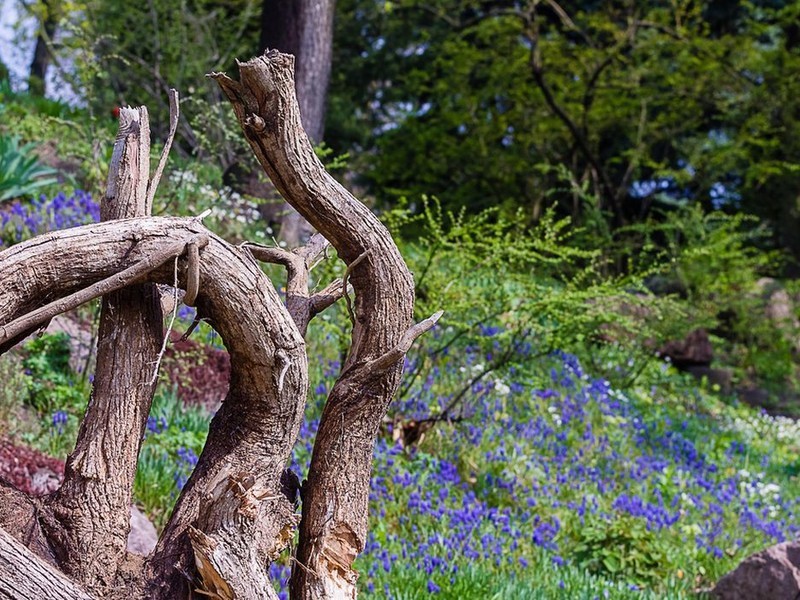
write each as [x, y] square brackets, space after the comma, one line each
[334, 525]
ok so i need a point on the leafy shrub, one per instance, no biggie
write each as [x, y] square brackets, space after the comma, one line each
[514, 293]
[715, 262]
[51, 384]
[622, 549]
[21, 173]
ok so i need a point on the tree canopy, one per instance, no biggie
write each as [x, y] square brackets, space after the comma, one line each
[601, 105]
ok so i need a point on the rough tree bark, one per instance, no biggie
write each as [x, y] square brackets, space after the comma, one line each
[334, 524]
[233, 516]
[92, 507]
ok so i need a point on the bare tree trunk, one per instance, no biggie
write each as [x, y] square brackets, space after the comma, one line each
[92, 507]
[252, 435]
[37, 81]
[303, 28]
[234, 516]
[334, 525]
[27, 577]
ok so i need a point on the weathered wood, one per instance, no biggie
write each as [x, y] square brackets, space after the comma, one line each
[233, 516]
[256, 427]
[335, 502]
[24, 576]
[91, 509]
[228, 539]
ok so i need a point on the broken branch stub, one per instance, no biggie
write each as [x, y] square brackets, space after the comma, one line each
[91, 509]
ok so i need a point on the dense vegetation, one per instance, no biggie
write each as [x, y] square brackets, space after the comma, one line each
[575, 185]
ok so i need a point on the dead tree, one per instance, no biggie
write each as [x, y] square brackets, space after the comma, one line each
[232, 517]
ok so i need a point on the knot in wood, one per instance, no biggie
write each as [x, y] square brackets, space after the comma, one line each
[256, 123]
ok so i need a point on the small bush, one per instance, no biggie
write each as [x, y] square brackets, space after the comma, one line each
[21, 173]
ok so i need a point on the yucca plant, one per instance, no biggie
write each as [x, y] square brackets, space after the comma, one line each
[21, 173]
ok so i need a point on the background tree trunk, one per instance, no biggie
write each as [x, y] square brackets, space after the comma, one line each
[37, 82]
[303, 28]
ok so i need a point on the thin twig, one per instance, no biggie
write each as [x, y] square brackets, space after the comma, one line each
[195, 322]
[169, 328]
[174, 114]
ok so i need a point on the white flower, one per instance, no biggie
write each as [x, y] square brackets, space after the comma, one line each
[501, 387]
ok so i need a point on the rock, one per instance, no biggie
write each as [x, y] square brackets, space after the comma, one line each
[143, 536]
[754, 396]
[81, 342]
[693, 350]
[45, 481]
[780, 309]
[773, 573]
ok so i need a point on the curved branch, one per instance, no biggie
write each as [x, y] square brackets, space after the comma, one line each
[255, 429]
[334, 526]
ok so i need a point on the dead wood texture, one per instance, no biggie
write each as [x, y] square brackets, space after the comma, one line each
[91, 510]
[334, 524]
[233, 516]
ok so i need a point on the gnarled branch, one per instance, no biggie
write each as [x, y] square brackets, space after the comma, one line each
[335, 501]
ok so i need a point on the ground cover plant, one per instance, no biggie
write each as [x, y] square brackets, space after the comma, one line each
[549, 482]
[539, 446]
[554, 485]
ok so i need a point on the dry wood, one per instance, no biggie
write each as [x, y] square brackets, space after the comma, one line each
[174, 116]
[91, 510]
[299, 263]
[256, 427]
[117, 281]
[234, 515]
[23, 576]
[334, 525]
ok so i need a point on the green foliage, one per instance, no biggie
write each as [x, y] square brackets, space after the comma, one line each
[645, 104]
[13, 392]
[18, 104]
[133, 53]
[51, 383]
[540, 580]
[174, 437]
[21, 173]
[518, 293]
[717, 263]
[622, 549]
[79, 141]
